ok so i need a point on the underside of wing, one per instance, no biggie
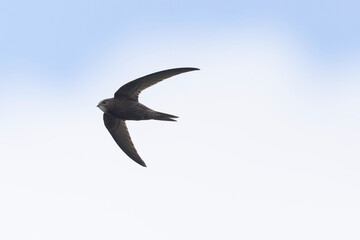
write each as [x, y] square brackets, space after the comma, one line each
[133, 89]
[120, 134]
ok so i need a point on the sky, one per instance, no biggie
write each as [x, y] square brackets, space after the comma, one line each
[266, 146]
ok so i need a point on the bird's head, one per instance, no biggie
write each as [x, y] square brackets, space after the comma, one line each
[104, 104]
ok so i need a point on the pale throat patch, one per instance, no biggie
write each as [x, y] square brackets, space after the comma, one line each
[103, 108]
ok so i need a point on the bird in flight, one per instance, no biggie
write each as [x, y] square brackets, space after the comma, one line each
[125, 106]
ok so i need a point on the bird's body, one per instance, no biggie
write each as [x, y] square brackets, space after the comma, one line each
[125, 106]
[128, 109]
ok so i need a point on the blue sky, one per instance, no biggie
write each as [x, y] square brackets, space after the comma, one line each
[59, 36]
[266, 146]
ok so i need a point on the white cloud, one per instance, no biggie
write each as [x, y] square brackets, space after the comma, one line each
[265, 147]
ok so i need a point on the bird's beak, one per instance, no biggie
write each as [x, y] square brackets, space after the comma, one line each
[98, 105]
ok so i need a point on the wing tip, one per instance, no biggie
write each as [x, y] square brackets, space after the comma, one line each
[192, 68]
[184, 69]
[142, 163]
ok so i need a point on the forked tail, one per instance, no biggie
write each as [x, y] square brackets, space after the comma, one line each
[164, 116]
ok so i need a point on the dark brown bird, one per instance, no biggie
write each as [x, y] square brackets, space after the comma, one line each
[125, 106]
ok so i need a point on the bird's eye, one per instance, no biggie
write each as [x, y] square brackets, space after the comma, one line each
[105, 102]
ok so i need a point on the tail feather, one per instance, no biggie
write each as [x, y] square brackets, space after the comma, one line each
[164, 117]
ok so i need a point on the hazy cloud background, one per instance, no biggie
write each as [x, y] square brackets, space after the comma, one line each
[266, 146]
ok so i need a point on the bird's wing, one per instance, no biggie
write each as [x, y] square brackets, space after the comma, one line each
[133, 89]
[120, 133]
